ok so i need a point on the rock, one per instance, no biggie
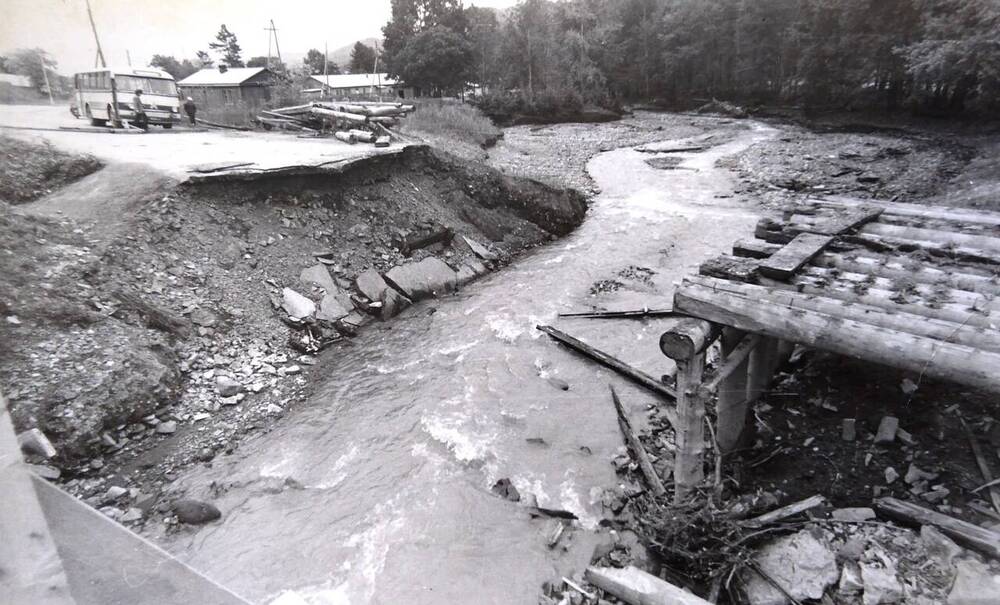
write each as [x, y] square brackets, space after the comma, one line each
[850, 580]
[166, 428]
[331, 309]
[887, 430]
[274, 409]
[505, 489]
[558, 383]
[44, 471]
[799, 562]
[227, 387]
[131, 515]
[881, 585]
[34, 441]
[849, 429]
[890, 474]
[320, 276]
[114, 492]
[853, 514]
[234, 400]
[939, 546]
[915, 474]
[195, 512]
[478, 249]
[974, 584]
[203, 317]
[936, 495]
[291, 370]
[852, 550]
[296, 305]
[425, 279]
[374, 288]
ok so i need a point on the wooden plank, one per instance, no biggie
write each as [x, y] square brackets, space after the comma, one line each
[637, 376]
[958, 277]
[734, 356]
[637, 587]
[632, 440]
[931, 357]
[787, 296]
[754, 248]
[785, 262]
[640, 313]
[971, 536]
[982, 463]
[780, 514]
[734, 268]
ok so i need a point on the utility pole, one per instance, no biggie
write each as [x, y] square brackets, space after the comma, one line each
[277, 48]
[93, 27]
[268, 30]
[45, 74]
[326, 74]
[128, 57]
[375, 71]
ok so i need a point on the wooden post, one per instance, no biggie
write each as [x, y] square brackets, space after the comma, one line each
[686, 343]
[731, 407]
[761, 368]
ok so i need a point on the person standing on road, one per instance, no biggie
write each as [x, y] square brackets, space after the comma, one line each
[140, 119]
[190, 108]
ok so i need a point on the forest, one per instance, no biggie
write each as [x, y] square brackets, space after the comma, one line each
[931, 57]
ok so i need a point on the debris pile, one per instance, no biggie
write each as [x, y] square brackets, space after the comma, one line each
[352, 122]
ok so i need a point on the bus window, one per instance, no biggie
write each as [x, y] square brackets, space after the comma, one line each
[153, 86]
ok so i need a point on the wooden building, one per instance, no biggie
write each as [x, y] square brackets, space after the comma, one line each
[351, 87]
[233, 95]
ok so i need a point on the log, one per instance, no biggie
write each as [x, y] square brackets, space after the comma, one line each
[621, 314]
[406, 245]
[947, 331]
[732, 405]
[687, 338]
[846, 221]
[363, 135]
[956, 239]
[294, 109]
[153, 315]
[984, 466]
[384, 120]
[904, 268]
[340, 115]
[935, 358]
[961, 215]
[632, 440]
[637, 587]
[784, 263]
[780, 514]
[754, 248]
[345, 137]
[637, 376]
[689, 433]
[971, 536]
[885, 243]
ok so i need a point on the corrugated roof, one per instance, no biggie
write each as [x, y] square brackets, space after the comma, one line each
[356, 80]
[16, 80]
[211, 76]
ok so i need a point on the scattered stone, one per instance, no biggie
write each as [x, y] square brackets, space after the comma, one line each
[320, 276]
[44, 471]
[505, 489]
[558, 383]
[478, 249]
[203, 317]
[915, 474]
[939, 546]
[374, 288]
[849, 429]
[881, 585]
[114, 492]
[292, 370]
[166, 428]
[890, 475]
[34, 441]
[887, 430]
[425, 279]
[227, 387]
[296, 305]
[905, 437]
[131, 515]
[854, 514]
[331, 309]
[234, 400]
[195, 512]
[936, 495]
[850, 580]
[274, 409]
[974, 584]
[852, 550]
[801, 563]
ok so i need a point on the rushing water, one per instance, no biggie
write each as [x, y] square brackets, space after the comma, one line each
[378, 490]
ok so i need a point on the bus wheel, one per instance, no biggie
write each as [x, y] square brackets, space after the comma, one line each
[168, 126]
[93, 121]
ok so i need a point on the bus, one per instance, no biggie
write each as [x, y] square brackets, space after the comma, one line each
[97, 94]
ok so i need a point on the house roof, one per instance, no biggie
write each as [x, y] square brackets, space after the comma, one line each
[211, 76]
[355, 80]
[16, 80]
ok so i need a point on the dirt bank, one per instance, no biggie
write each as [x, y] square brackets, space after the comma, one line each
[31, 170]
[124, 353]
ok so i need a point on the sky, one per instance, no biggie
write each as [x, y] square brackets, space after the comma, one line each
[182, 27]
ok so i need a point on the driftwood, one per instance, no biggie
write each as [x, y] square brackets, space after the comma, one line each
[621, 314]
[363, 135]
[339, 115]
[155, 316]
[984, 466]
[637, 376]
[780, 514]
[641, 457]
[971, 536]
[218, 125]
[409, 243]
[346, 137]
[637, 587]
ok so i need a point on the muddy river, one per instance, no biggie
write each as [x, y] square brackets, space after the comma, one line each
[378, 490]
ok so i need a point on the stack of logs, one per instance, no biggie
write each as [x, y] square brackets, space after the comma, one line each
[351, 122]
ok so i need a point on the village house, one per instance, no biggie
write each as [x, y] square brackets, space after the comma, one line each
[359, 86]
[232, 94]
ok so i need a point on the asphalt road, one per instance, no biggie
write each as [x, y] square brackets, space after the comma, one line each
[176, 151]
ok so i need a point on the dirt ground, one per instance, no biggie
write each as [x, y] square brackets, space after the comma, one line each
[31, 171]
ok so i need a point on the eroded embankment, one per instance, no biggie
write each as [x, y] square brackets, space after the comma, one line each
[169, 344]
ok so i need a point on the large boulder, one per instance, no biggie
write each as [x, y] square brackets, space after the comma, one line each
[801, 563]
[974, 584]
[296, 305]
[425, 279]
[373, 287]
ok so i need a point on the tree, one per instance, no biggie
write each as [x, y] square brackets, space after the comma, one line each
[437, 59]
[3, 65]
[314, 63]
[178, 69]
[203, 60]
[34, 63]
[412, 17]
[362, 59]
[484, 38]
[228, 48]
